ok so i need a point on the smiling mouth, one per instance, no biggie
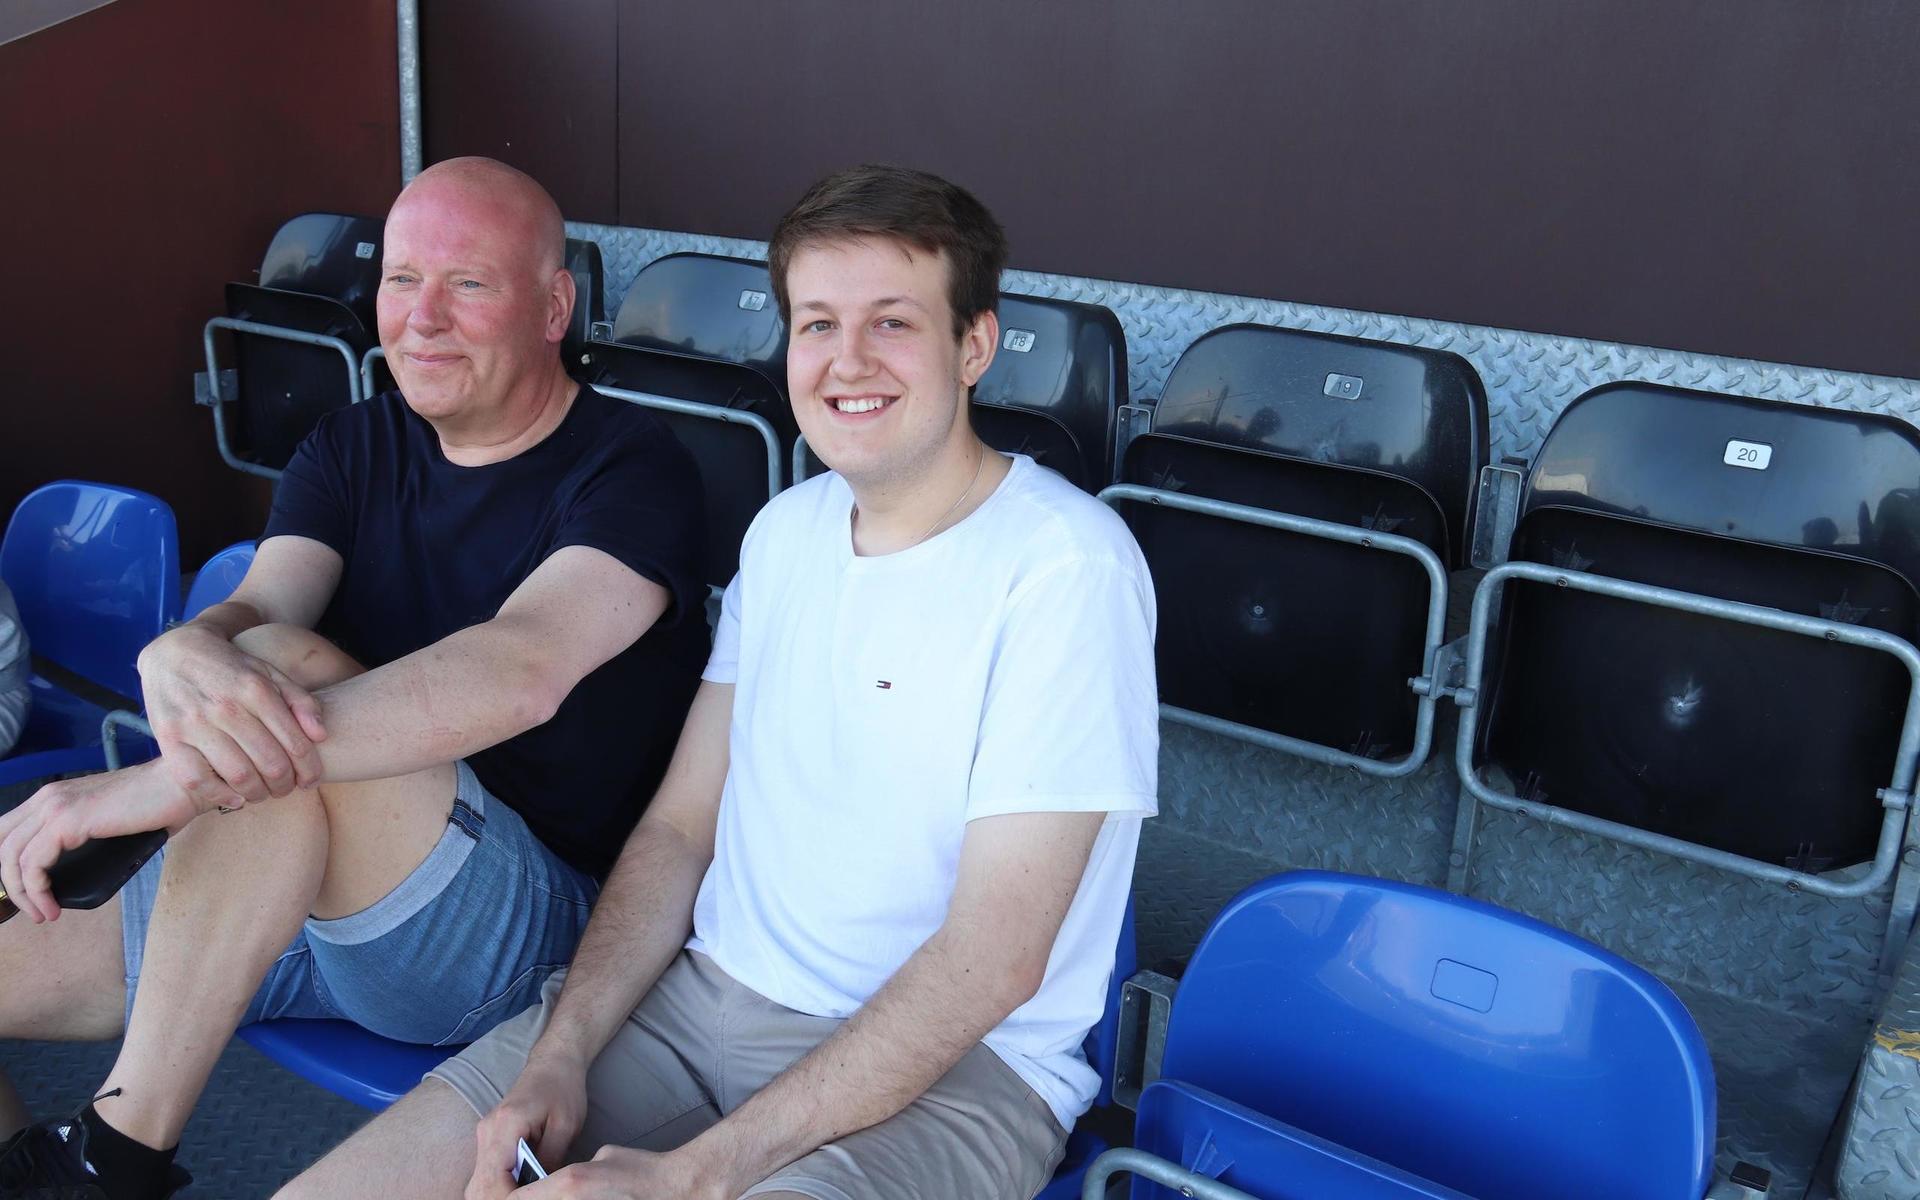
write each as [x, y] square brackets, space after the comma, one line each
[856, 405]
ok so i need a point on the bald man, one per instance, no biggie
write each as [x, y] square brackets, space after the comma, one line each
[398, 760]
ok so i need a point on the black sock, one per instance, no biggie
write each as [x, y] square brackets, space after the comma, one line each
[127, 1170]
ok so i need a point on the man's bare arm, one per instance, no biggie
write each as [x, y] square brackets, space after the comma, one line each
[639, 924]
[230, 727]
[486, 683]
[1017, 877]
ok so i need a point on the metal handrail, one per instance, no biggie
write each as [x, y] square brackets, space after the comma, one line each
[1125, 1159]
[1896, 798]
[712, 412]
[236, 325]
[373, 354]
[110, 725]
[1425, 686]
[798, 472]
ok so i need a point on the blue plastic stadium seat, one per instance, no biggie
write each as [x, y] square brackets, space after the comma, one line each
[1380, 438]
[1396, 1036]
[95, 572]
[216, 580]
[348, 1061]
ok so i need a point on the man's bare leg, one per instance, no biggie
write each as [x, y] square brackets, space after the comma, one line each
[64, 981]
[421, 1147]
[235, 890]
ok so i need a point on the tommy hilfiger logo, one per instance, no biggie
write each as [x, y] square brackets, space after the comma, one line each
[884, 685]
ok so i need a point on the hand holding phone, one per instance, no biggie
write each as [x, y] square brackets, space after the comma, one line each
[527, 1168]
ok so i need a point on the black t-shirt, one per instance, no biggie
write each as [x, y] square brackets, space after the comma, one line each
[432, 548]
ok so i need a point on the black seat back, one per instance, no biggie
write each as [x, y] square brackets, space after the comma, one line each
[707, 306]
[1293, 634]
[1758, 742]
[1056, 383]
[1418, 414]
[284, 387]
[732, 458]
[589, 302]
[328, 254]
[320, 275]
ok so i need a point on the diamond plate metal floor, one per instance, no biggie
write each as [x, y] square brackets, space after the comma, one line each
[257, 1127]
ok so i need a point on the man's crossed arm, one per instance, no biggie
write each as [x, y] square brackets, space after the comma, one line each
[217, 712]
[1018, 875]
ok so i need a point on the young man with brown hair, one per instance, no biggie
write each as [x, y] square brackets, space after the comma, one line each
[852, 949]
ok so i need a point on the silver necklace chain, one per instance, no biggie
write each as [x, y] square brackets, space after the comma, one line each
[978, 463]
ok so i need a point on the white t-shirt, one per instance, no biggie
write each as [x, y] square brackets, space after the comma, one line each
[881, 703]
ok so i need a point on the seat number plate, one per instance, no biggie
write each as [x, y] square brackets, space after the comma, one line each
[1754, 456]
[1020, 341]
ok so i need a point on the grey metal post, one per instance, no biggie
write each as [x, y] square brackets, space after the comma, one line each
[411, 161]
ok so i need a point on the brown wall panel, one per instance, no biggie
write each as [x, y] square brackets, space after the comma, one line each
[531, 85]
[1729, 176]
[150, 150]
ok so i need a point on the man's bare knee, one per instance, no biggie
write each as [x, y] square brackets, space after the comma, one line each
[421, 1148]
[301, 654]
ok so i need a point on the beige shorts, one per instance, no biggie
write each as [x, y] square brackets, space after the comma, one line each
[700, 1044]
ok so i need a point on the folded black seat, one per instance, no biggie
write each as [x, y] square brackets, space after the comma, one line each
[1759, 742]
[1309, 637]
[320, 276]
[1056, 385]
[702, 330]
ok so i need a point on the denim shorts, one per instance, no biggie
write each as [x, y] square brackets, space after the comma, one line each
[464, 942]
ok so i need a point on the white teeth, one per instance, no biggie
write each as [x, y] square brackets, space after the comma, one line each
[858, 406]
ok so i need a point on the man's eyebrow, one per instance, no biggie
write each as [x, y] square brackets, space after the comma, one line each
[882, 302]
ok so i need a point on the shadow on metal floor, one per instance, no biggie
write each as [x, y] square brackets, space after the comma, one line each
[257, 1126]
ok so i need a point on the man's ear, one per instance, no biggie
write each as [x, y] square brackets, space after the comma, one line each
[977, 347]
[561, 298]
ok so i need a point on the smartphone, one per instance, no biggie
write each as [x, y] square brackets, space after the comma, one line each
[528, 1168]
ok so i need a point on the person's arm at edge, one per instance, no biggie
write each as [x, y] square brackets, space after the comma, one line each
[639, 923]
[1018, 875]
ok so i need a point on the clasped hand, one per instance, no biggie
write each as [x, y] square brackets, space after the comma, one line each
[231, 727]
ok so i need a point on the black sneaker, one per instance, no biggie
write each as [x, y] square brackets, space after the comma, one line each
[48, 1161]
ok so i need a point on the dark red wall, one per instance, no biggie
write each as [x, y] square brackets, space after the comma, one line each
[149, 150]
[1729, 176]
